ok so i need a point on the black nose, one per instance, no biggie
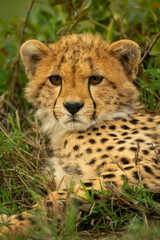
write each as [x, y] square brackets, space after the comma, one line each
[73, 107]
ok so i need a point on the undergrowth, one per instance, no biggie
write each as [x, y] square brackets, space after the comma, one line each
[132, 214]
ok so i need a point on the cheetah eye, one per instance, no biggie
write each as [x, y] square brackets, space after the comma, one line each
[94, 80]
[55, 80]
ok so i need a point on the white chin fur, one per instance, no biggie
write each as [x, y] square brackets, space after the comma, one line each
[51, 126]
[75, 126]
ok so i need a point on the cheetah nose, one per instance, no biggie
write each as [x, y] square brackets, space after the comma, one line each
[73, 107]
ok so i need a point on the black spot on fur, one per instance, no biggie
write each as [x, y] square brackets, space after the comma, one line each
[156, 160]
[125, 127]
[133, 149]
[80, 137]
[111, 175]
[103, 140]
[128, 168]
[78, 171]
[122, 176]
[61, 193]
[89, 60]
[73, 68]
[88, 184]
[121, 149]
[81, 131]
[75, 148]
[97, 51]
[124, 160]
[148, 169]
[20, 217]
[61, 61]
[89, 150]
[109, 148]
[124, 134]
[127, 138]
[79, 155]
[150, 119]
[92, 141]
[139, 140]
[120, 142]
[112, 127]
[145, 152]
[135, 175]
[104, 156]
[68, 169]
[134, 121]
[152, 148]
[101, 165]
[95, 129]
[99, 150]
[103, 126]
[112, 135]
[98, 134]
[135, 132]
[92, 161]
[144, 128]
[124, 120]
[112, 84]
[65, 143]
[42, 85]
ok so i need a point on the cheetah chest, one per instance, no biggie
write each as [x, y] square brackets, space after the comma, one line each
[106, 148]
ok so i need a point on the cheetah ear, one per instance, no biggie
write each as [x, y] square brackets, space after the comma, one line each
[128, 53]
[32, 51]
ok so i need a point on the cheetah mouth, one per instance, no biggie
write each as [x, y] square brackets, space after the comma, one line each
[74, 124]
[73, 121]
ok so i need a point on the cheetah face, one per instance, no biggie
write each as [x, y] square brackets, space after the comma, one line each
[81, 80]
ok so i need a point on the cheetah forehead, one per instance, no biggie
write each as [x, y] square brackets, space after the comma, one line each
[76, 49]
[79, 42]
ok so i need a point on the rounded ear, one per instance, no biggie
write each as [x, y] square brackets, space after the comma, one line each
[128, 53]
[32, 51]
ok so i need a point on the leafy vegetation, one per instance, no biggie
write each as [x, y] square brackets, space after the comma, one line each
[133, 214]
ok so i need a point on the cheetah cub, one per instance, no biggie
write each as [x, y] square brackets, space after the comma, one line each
[85, 98]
